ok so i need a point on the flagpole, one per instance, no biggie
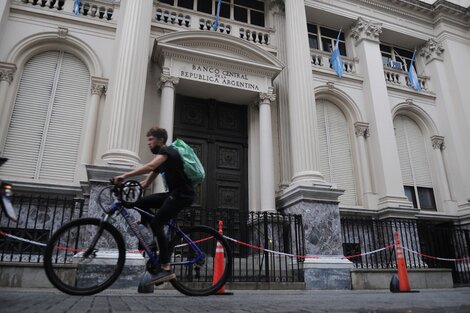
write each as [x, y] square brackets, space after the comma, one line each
[335, 59]
[216, 23]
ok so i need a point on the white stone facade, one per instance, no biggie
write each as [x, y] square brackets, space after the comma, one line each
[140, 54]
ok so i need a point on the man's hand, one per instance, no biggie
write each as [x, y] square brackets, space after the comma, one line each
[144, 184]
[119, 179]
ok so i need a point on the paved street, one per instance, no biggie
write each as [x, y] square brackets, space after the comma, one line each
[112, 301]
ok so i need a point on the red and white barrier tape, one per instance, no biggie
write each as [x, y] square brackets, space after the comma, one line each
[435, 257]
[269, 250]
[370, 252]
[22, 239]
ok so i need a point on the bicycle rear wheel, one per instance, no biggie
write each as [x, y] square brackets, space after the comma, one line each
[196, 277]
[84, 257]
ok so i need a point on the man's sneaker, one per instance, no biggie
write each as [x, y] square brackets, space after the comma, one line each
[160, 277]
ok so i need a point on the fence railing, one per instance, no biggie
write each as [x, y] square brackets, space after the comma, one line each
[38, 217]
[425, 238]
[274, 231]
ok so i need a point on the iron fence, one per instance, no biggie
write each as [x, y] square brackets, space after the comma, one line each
[422, 238]
[274, 231]
[38, 217]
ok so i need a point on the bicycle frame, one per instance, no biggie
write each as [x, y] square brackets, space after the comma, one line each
[118, 208]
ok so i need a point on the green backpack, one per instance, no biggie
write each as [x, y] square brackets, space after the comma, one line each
[192, 166]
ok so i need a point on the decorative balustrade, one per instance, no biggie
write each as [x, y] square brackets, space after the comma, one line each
[198, 21]
[395, 77]
[93, 8]
[321, 60]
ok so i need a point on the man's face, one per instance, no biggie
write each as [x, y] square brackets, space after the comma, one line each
[154, 144]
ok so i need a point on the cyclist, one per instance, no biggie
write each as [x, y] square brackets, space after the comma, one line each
[180, 194]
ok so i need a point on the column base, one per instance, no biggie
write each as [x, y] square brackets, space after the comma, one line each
[121, 157]
[328, 273]
[308, 178]
[320, 217]
[315, 191]
[464, 213]
[394, 202]
[396, 207]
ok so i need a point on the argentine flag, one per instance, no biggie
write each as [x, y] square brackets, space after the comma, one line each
[216, 23]
[76, 7]
[412, 76]
[335, 60]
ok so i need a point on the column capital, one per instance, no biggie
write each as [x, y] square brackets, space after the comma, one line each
[278, 6]
[99, 86]
[267, 97]
[361, 129]
[6, 72]
[363, 29]
[431, 50]
[168, 81]
[438, 142]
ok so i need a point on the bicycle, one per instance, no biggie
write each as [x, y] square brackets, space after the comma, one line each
[87, 255]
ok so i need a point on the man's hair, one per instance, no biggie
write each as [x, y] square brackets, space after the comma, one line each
[158, 132]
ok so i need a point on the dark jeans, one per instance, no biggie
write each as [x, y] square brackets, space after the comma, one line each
[168, 206]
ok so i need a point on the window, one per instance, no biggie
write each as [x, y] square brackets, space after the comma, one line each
[204, 6]
[43, 137]
[322, 38]
[249, 11]
[414, 163]
[336, 161]
[187, 4]
[245, 11]
[396, 58]
[425, 196]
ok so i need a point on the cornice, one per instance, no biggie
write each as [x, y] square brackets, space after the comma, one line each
[415, 10]
[441, 10]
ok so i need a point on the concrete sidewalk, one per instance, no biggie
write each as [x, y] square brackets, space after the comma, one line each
[113, 301]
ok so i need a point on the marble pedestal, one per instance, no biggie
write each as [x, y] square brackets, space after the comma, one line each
[319, 208]
[98, 178]
[102, 266]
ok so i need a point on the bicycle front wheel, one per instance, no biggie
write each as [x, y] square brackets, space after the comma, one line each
[84, 257]
[200, 274]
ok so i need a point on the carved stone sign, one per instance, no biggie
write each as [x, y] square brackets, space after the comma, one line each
[219, 76]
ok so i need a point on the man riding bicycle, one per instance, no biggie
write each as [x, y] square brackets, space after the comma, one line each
[180, 194]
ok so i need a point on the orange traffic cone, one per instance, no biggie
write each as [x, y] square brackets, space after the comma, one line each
[219, 264]
[403, 282]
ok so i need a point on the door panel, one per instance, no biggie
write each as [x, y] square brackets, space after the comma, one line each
[218, 134]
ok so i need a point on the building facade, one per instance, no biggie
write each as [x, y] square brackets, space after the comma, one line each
[275, 126]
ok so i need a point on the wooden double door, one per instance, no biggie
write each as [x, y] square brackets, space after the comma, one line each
[218, 134]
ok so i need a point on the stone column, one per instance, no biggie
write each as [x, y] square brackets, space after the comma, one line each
[387, 173]
[362, 132]
[6, 77]
[442, 181]
[281, 84]
[266, 153]
[98, 89]
[4, 12]
[167, 110]
[450, 113]
[302, 110]
[308, 194]
[127, 88]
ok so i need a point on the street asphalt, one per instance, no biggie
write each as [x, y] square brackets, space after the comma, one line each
[21, 300]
